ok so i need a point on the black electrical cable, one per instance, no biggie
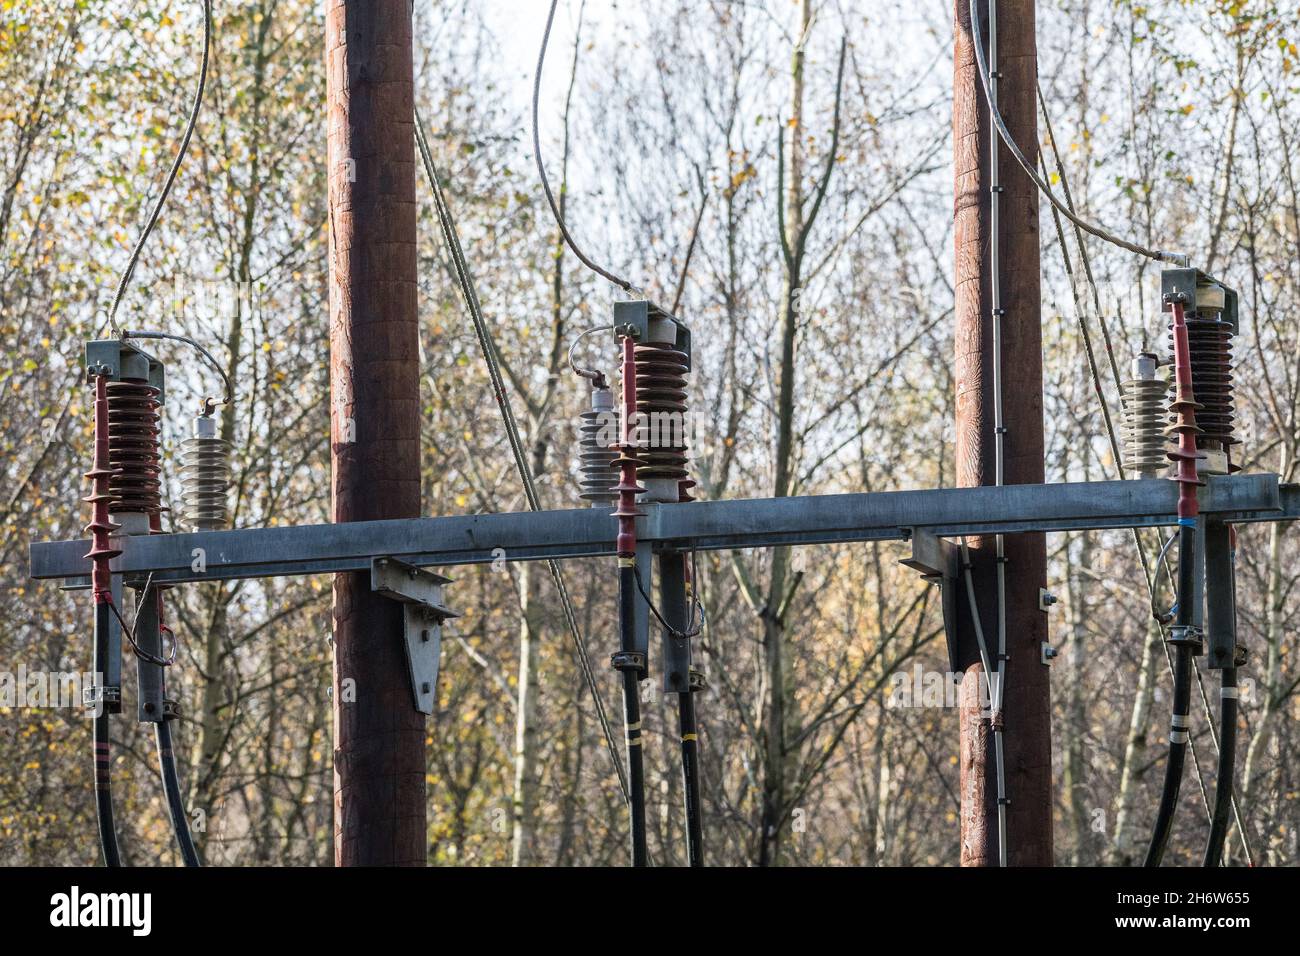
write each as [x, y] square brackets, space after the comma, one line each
[693, 629]
[676, 584]
[1162, 618]
[172, 787]
[1223, 788]
[1229, 700]
[1180, 723]
[209, 403]
[632, 711]
[688, 730]
[102, 745]
[129, 271]
[618, 280]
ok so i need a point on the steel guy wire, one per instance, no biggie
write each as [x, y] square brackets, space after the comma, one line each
[1114, 444]
[452, 239]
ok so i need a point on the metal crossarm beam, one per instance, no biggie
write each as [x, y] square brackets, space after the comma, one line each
[706, 525]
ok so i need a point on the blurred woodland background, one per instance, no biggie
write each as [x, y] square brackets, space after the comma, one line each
[1175, 123]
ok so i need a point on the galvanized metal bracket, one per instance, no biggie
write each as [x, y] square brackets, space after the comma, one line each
[116, 360]
[149, 675]
[1200, 293]
[938, 561]
[420, 592]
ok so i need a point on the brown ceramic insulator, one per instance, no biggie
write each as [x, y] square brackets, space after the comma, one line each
[1210, 341]
[661, 404]
[133, 448]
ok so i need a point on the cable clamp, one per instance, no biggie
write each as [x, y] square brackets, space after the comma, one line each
[1187, 634]
[628, 661]
[999, 312]
[171, 709]
[107, 696]
[699, 681]
[996, 189]
[1004, 801]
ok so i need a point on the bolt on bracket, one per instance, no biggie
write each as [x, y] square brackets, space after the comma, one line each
[420, 592]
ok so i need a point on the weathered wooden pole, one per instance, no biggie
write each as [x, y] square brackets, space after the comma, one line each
[379, 769]
[1026, 710]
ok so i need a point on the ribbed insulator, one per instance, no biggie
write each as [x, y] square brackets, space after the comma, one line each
[133, 448]
[661, 402]
[1142, 430]
[596, 452]
[1210, 343]
[205, 477]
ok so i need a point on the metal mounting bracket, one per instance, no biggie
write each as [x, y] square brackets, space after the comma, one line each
[419, 591]
[937, 561]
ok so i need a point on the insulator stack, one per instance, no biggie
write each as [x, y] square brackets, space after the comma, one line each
[1142, 429]
[133, 448]
[597, 448]
[1210, 320]
[205, 476]
[661, 405]
[1210, 341]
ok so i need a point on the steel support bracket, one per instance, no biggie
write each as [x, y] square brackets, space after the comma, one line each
[938, 561]
[419, 591]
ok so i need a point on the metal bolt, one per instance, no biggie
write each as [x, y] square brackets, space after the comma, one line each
[424, 636]
[424, 688]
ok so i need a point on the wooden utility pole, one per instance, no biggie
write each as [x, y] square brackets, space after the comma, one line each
[379, 756]
[1026, 705]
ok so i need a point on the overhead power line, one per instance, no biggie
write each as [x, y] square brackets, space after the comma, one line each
[977, 38]
[586, 260]
[152, 221]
